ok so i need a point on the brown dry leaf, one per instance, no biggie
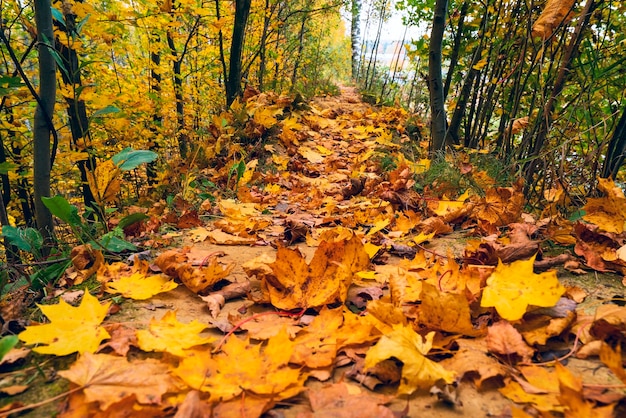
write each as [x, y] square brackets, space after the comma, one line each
[384, 315]
[572, 398]
[220, 237]
[503, 339]
[537, 329]
[541, 391]
[244, 405]
[122, 338]
[500, 206]
[445, 311]
[202, 279]
[325, 280]
[554, 14]
[109, 379]
[342, 400]
[472, 358]
[86, 261]
[267, 326]
[609, 322]
[519, 125]
[600, 249]
[168, 261]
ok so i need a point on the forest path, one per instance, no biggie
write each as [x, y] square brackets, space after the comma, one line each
[329, 216]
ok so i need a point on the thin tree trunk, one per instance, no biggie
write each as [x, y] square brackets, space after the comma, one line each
[42, 118]
[233, 84]
[296, 64]
[157, 118]
[76, 110]
[355, 33]
[617, 149]
[454, 55]
[435, 82]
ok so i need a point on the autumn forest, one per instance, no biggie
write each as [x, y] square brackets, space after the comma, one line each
[284, 208]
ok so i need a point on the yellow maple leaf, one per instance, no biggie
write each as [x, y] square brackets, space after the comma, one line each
[511, 288]
[248, 173]
[71, 329]
[104, 182]
[445, 206]
[608, 212]
[418, 372]
[237, 210]
[138, 286]
[108, 379]
[242, 366]
[310, 154]
[169, 335]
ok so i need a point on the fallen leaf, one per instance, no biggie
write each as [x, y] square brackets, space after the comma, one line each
[505, 340]
[140, 287]
[71, 329]
[418, 372]
[511, 288]
[171, 336]
[108, 379]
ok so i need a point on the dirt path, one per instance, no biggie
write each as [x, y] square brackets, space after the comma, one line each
[330, 181]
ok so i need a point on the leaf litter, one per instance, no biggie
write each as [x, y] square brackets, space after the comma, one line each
[332, 287]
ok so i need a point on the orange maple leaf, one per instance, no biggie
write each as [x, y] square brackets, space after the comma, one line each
[297, 285]
[242, 366]
[108, 379]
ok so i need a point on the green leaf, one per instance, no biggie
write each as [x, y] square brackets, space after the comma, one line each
[6, 344]
[115, 244]
[26, 239]
[128, 158]
[132, 219]
[62, 209]
[8, 83]
[106, 111]
[577, 216]
[41, 278]
[79, 25]
[8, 166]
[58, 16]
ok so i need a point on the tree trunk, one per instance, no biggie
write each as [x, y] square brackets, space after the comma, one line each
[42, 118]
[181, 136]
[294, 74]
[454, 56]
[355, 33]
[157, 118]
[76, 110]
[233, 84]
[435, 82]
[617, 149]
